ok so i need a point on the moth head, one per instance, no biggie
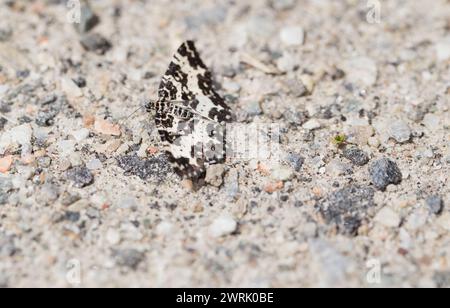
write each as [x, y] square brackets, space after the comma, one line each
[150, 105]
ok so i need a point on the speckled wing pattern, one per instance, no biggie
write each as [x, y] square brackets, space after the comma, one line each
[190, 115]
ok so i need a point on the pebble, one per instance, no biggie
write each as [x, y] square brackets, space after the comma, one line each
[94, 164]
[312, 124]
[95, 43]
[292, 36]
[231, 87]
[232, 184]
[347, 207]
[385, 172]
[253, 108]
[435, 204]
[69, 87]
[361, 71]
[80, 176]
[296, 161]
[81, 134]
[6, 163]
[432, 122]
[88, 19]
[214, 175]
[21, 135]
[283, 5]
[48, 194]
[388, 217]
[443, 49]
[113, 236]
[356, 156]
[130, 258]
[282, 173]
[106, 128]
[66, 147]
[222, 226]
[400, 131]
[287, 62]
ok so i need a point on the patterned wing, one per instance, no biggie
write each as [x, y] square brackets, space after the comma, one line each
[188, 80]
[197, 138]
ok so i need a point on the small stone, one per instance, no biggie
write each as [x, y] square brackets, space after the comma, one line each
[130, 258]
[69, 87]
[81, 134]
[6, 163]
[432, 122]
[296, 161]
[45, 118]
[88, 19]
[253, 108]
[287, 62]
[48, 194]
[282, 173]
[312, 124]
[65, 147]
[273, 187]
[222, 226]
[96, 43]
[356, 156]
[443, 49]
[68, 199]
[80, 82]
[3, 122]
[292, 36]
[72, 216]
[231, 87]
[308, 82]
[214, 175]
[388, 217]
[385, 172]
[94, 164]
[435, 204]
[361, 71]
[5, 34]
[400, 131]
[106, 128]
[347, 208]
[113, 236]
[296, 87]
[80, 176]
[232, 184]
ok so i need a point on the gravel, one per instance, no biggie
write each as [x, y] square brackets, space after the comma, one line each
[385, 172]
[80, 176]
[347, 208]
[435, 204]
[356, 156]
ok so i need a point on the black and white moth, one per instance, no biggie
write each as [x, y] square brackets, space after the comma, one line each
[190, 115]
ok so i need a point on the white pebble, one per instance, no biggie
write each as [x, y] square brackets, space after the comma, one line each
[81, 134]
[443, 49]
[222, 226]
[113, 236]
[361, 71]
[388, 217]
[312, 124]
[292, 36]
[94, 164]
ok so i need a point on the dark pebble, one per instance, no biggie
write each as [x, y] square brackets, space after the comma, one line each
[356, 156]
[80, 176]
[24, 120]
[88, 19]
[22, 74]
[45, 118]
[385, 172]
[96, 43]
[435, 204]
[130, 258]
[347, 208]
[80, 82]
[72, 216]
[296, 161]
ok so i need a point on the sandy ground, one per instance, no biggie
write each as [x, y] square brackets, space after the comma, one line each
[359, 195]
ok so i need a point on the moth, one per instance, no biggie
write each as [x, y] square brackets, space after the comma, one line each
[190, 115]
